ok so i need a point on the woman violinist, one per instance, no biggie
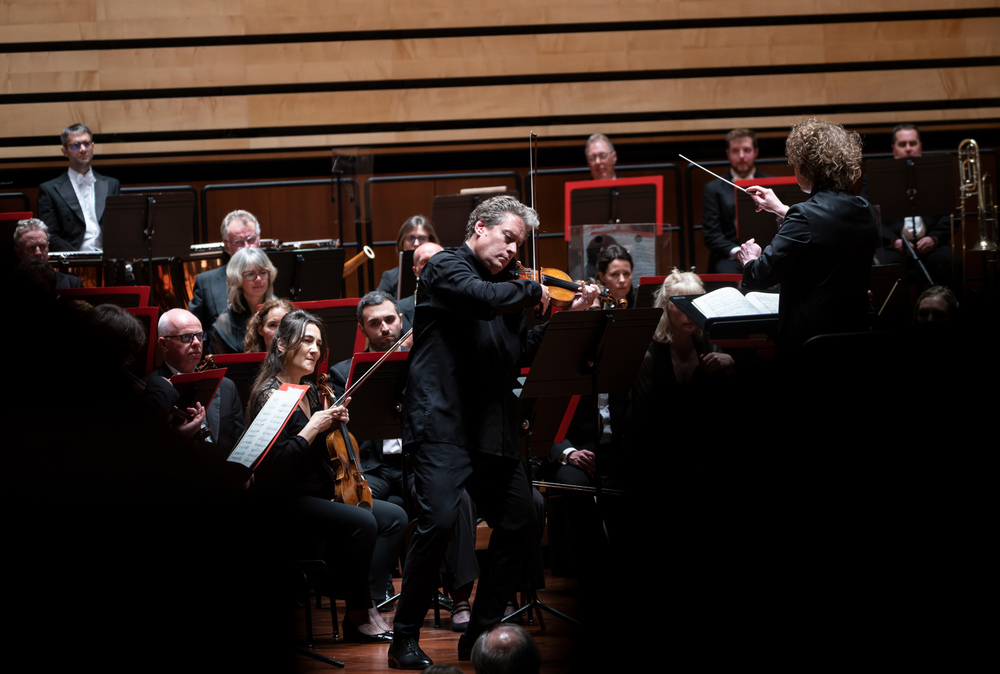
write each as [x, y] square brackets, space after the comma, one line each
[361, 544]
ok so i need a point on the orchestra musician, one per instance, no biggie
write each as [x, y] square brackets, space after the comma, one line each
[614, 271]
[240, 229]
[416, 231]
[460, 422]
[823, 250]
[72, 205]
[250, 280]
[361, 544]
[264, 323]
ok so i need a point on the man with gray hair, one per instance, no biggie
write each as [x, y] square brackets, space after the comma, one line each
[460, 420]
[506, 649]
[31, 242]
[72, 205]
[601, 157]
[210, 297]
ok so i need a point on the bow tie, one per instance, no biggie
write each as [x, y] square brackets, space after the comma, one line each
[85, 180]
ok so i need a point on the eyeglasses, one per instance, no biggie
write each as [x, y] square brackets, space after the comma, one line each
[83, 145]
[417, 239]
[254, 275]
[189, 337]
[243, 243]
[598, 156]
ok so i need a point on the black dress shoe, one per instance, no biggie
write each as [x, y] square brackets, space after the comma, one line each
[355, 636]
[406, 654]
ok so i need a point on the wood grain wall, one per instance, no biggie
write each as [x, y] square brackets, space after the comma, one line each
[231, 81]
[238, 75]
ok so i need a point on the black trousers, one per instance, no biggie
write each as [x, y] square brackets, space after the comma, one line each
[499, 488]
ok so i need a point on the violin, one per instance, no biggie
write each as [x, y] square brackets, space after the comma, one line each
[562, 288]
[349, 481]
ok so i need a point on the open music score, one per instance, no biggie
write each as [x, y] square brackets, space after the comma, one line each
[267, 425]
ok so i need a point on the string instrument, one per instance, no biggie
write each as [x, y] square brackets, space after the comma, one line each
[562, 288]
[349, 481]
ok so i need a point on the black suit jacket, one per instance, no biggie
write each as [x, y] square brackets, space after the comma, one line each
[60, 210]
[822, 257]
[225, 415]
[469, 344]
[210, 296]
[67, 281]
[718, 217]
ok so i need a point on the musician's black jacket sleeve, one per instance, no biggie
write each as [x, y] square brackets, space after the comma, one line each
[470, 342]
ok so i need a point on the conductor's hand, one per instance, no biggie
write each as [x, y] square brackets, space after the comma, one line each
[748, 251]
[584, 460]
[584, 298]
[767, 200]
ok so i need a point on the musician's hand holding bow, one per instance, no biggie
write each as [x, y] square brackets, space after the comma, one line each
[767, 200]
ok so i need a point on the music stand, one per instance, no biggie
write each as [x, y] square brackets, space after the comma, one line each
[145, 226]
[377, 414]
[241, 369]
[451, 214]
[582, 352]
[726, 327]
[305, 275]
[406, 284]
[340, 321]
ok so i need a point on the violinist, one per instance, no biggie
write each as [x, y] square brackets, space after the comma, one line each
[614, 272]
[360, 544]
[382, 460]
[264, 323]
[460, 421]
[182, 339]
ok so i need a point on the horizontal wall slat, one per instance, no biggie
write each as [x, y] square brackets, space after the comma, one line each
[443, 58]
[62, 20]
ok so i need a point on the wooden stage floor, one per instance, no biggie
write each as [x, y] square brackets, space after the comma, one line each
[441, 645]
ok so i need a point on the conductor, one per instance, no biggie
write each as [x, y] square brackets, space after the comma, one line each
[460, 424]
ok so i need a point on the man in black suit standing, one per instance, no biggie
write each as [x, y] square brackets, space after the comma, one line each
[718, 203]
[72, 205]
[31, 242]
[181, 338]
[210, 297]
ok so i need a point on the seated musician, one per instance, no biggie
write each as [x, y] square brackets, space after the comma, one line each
[31, 242]
[264, 323]
[929, 234]
[614, 272]
[421, 255]
[360, 544]
[679, 361]
[240, 229]
[181, 337]
[382, 460]
[250, 280]
[415, 232]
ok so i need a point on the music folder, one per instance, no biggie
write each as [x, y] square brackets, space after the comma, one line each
[259, 437]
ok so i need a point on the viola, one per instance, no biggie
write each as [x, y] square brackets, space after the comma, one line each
[349, 481]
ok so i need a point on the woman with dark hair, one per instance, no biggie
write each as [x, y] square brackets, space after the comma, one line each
[614, 271]
[361, 544]
[822, 253]
[415, 232]
[264, 323]
[250, 281]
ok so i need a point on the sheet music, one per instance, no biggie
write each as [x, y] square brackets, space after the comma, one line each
[726, 302]
[267, 424]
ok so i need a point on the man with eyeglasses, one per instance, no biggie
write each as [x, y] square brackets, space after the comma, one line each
[240, 229]
[182, 340]
[601, 157]
[72, 205]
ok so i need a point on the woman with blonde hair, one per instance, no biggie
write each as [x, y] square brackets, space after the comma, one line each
[250, 280]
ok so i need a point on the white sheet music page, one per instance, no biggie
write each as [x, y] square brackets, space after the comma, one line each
[267, 425]
[726, 302]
